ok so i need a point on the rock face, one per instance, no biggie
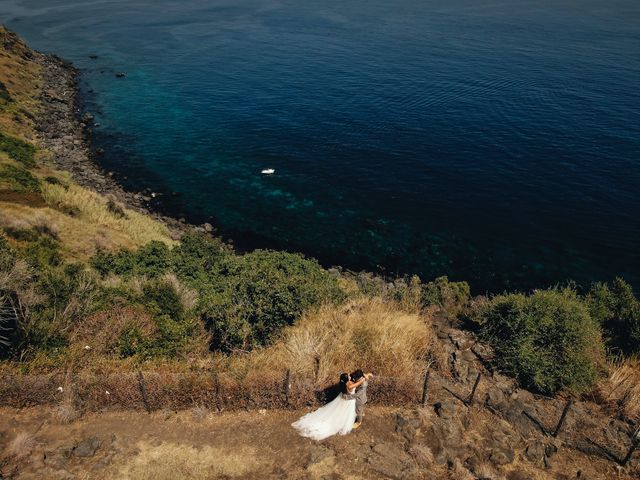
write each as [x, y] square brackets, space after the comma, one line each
[503, 427]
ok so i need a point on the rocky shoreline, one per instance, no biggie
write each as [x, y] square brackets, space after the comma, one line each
[67, 135]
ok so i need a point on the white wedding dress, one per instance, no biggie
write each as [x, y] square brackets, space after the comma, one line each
[336, 416]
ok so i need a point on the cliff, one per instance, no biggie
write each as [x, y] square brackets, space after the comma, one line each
[136, 346]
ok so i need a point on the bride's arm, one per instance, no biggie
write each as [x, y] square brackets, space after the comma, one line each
[351, 384]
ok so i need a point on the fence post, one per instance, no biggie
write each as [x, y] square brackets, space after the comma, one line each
[473, 390]
[634, 446]
[563, 417]
[425, 388]
[216, 391]
[143, 391]
[287, 386]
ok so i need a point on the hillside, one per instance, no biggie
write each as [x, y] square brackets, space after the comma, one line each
[136, 346]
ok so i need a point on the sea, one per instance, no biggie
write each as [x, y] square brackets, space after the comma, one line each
[492, 141]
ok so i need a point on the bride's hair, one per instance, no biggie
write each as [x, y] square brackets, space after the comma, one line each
[344, 378]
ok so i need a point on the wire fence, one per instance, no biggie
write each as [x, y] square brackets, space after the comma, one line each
[154, 390]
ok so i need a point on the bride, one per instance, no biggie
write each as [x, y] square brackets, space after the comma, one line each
[336, 416]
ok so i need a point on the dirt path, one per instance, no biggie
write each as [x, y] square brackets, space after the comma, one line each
[199, 444]
[190, 444]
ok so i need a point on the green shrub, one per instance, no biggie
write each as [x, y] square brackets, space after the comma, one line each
[445, 294]
[42, 252]
[263, 292]
[407, 293]
[198, 259]
[21, 179]
[151, 260]
[18, 150]
[618, 311]
[171, 337]
[131, 342]
[547, 340]
[22, 234]
[168, 340]
[161, 298]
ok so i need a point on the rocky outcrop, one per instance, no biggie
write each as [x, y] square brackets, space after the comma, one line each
[502, 425]
[65, 133]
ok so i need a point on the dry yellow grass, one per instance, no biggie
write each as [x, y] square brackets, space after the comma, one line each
[370, 333]
[93, 209]
[20, 76]
[79, 239]
[621, 389]
[171, 461]
[21, 445]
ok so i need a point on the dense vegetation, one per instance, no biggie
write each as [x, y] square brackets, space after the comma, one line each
[557, 339]
[19, 150]
[159, 301]
[243, 300]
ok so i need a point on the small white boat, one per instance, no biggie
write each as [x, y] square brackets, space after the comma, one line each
[268, 171]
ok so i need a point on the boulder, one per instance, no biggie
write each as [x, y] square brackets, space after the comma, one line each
[496, 399]
[406, 425]
[87, 447]
[535, 451]
[444, 438]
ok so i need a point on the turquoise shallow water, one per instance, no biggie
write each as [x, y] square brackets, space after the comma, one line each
[497, 142]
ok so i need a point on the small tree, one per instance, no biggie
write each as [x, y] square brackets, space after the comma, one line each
[445, 294]
[547, 340]
[618, 311]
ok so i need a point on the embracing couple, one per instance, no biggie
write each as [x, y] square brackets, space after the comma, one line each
[341, 415]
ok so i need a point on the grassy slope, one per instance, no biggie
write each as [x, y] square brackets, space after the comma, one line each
[80, 219]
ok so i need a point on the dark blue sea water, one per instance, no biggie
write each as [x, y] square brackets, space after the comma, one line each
[493, 141]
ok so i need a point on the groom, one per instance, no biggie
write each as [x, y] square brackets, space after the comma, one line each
[360, 395]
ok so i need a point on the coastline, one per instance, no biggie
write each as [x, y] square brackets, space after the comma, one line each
[66, 133]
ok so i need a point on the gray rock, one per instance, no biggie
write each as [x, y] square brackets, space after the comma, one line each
[407, 426]
[535, 451]
[390, 460]
[496, 399]
[87, 447]
[444, 438]
[550, 449]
